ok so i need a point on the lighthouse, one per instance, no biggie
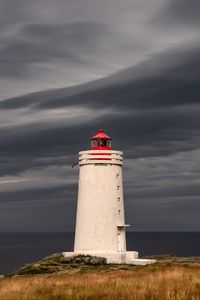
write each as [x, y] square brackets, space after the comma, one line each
[100, 218]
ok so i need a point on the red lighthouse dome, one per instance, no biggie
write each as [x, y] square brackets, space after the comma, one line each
[101, 141]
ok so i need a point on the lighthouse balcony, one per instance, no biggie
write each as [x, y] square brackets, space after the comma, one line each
[101, 157]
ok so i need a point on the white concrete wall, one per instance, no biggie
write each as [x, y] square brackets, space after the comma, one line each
[100, 208]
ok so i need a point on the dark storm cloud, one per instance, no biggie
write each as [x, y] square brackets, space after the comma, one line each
[60, 192]
[48, 44]
[180, 13]
[10, 165]
[189, 190]
[40, 43]
[151, 109]
[156, 129]
[37, 207]
[170, 86]
[181, 214]
[159, 109]
[173, 79]
[186, 11]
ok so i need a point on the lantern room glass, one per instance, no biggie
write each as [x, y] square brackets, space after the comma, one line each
[102, 143]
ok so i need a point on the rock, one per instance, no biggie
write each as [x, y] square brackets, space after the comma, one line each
[94, 260]
[98, 261]
[58, 263]
[87, 260]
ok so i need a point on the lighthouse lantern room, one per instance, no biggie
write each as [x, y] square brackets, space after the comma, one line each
[101, 141]
[100, 221]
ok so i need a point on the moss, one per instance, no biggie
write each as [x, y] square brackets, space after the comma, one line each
[35, 269]
[58, 263]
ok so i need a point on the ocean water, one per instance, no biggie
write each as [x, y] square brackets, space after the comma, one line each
[18, 249]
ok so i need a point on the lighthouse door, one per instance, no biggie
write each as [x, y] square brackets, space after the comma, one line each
[120, 239]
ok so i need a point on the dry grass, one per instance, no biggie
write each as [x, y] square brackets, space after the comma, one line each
[149, 283]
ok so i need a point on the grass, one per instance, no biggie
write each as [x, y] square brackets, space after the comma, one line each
[155, 282]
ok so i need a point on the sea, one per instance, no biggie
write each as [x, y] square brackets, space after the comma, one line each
[18, 249]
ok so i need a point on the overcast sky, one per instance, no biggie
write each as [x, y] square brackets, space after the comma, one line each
[70, 67]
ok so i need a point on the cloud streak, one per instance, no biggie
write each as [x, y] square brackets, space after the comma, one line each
[143, 90]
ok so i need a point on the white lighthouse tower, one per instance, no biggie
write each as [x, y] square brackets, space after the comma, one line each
[100, 222]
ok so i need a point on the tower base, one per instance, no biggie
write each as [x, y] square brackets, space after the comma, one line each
[128, 257]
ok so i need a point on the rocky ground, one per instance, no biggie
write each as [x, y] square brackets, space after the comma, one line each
[57, 263]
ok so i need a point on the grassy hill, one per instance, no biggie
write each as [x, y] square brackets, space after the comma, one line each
[90, 278]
